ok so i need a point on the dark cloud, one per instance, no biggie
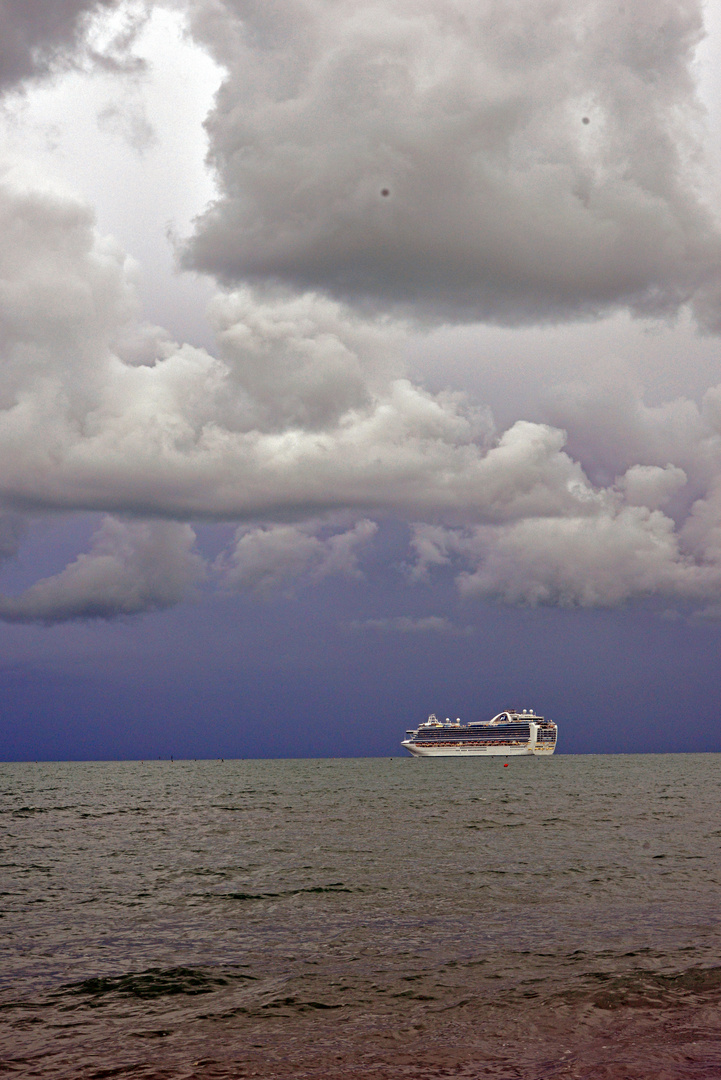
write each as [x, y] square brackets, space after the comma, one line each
[131, 568]
[469, 160]
[38, 35]
[433, 156]
[305, 412]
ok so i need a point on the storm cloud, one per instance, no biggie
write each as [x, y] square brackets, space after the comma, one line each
[385, 167]
[304, 412]
[465, 160]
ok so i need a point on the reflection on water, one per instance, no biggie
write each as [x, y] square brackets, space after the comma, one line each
[405, 918]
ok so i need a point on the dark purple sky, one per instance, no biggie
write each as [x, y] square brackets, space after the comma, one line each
[354, 367]
[301, 676]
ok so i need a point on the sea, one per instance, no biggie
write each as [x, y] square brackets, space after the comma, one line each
[351, 918]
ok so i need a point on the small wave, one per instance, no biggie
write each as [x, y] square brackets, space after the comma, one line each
[335, 887]
[152, 983]
[647, 989]
[30, 811]
[297, 1005]
[245, 895]
[414, 997]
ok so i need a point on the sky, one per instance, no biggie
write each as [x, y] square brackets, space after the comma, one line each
[358, 361]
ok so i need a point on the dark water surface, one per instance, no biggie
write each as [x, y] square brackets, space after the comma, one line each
[362, 918]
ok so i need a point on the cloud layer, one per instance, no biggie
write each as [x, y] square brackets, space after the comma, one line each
[303, 409]
[302, 426]
[470, 160]
[304, 412]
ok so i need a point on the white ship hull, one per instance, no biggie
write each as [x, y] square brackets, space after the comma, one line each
[477, 751]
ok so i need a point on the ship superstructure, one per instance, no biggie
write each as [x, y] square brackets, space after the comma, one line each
[510, 733]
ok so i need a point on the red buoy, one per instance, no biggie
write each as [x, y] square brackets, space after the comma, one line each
[505, 765]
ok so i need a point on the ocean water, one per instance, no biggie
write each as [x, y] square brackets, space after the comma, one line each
[401, 918]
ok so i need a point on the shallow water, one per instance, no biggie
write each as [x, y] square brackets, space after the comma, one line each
[362, 918]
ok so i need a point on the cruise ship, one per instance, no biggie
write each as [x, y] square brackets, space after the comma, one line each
[510, 734]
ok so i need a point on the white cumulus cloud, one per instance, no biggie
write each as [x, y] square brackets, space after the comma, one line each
[267, 556]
